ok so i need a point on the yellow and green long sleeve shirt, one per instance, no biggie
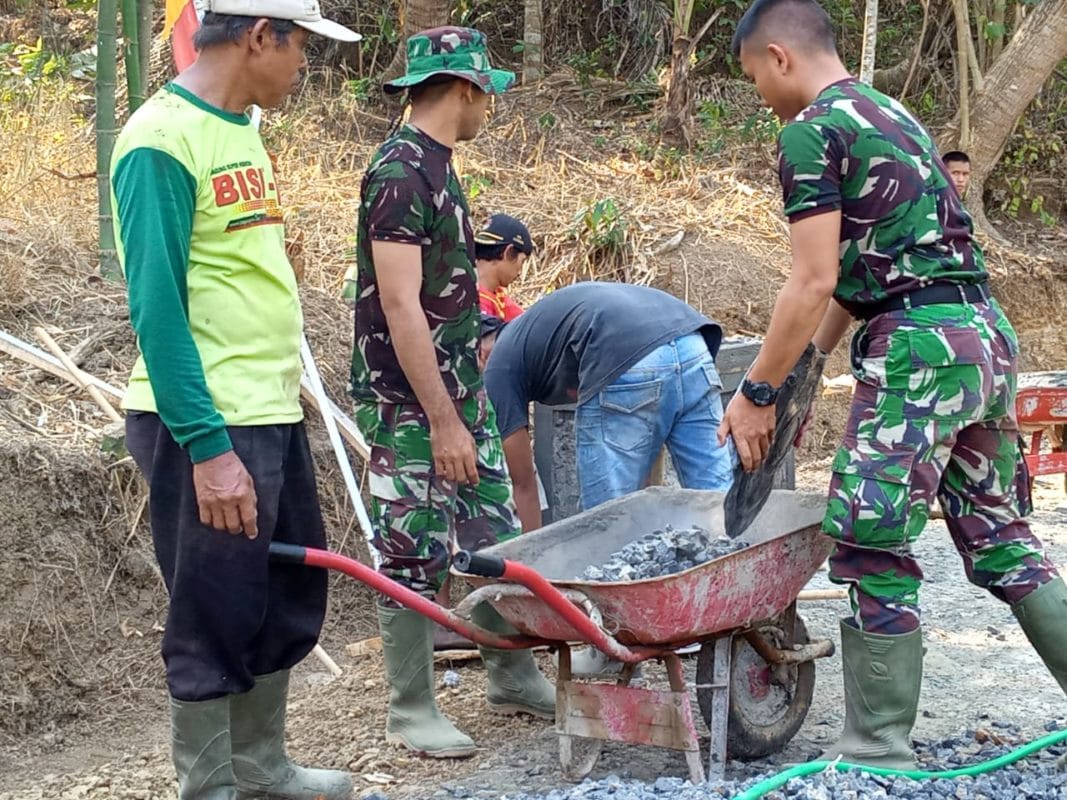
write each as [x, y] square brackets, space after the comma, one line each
[213, 298]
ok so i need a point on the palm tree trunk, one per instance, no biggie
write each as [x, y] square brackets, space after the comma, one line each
[677, 124]
[106, 131]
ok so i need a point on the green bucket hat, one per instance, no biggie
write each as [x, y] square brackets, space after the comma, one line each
[451, 51]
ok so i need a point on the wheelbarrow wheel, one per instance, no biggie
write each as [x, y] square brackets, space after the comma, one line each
[768, 704]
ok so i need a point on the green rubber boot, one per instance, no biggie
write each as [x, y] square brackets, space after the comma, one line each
[516, 685]
[883, 675]
[260, 764]
[1043, 617]
[200, 745]
[414, 720]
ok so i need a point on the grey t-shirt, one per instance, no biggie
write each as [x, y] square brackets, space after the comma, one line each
[575, 341]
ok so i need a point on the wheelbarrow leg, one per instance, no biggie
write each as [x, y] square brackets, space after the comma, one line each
[577, 754]
[692, 745]
[720, 707]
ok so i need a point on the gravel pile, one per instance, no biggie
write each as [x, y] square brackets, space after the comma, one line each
[1032, 779]
[662, 552]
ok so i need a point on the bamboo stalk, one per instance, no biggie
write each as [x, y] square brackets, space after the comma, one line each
[145, 11]
[131, 20]
[39, 359]
[75, 375]
[106, 132]
[327, 662]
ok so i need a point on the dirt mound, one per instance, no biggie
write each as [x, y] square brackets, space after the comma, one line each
[79, 590]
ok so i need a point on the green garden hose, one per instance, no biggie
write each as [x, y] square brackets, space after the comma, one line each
[799, 771]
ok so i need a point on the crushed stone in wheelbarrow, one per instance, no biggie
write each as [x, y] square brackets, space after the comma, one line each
[663, 552]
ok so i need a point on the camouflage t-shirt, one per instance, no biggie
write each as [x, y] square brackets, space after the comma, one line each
[903, 226]
[411, 194]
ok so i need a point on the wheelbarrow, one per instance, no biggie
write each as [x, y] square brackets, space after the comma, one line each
[755, 671]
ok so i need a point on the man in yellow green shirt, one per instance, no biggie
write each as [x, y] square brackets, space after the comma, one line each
[214, 420]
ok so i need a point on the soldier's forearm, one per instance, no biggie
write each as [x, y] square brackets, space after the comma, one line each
[833, 326]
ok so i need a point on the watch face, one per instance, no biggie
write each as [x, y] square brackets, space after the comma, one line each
[761, 394]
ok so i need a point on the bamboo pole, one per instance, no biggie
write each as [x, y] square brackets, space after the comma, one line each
[39, 359]
[145, 11]
[106, 131]
[131, 24]
[75, 375]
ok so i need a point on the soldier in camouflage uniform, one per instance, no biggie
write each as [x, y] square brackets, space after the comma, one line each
[437, 474]
[879, 235]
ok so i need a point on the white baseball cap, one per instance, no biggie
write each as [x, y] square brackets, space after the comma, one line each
[305, 13]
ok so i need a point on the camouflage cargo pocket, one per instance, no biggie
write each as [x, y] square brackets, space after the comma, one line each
[939, 374]
[870, 495]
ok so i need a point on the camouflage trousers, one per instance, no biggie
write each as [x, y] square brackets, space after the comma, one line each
[933, 416]
[420, 518]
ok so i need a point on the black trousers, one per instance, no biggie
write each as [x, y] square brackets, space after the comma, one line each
[233, 614]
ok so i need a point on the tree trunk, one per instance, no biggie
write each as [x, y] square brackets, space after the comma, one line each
[677, 129]
[677, 121]
[870, 41]
[106, 130]
[963, 36]
[1012, 83]
[532, 64]
[415, 16]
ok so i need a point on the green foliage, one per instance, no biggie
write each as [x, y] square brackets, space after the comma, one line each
[722, 127]
[602, 226]
[547, 121]
[29, 63]
[363, 89]
[993, 30]
[1031, 165]
[475, 185]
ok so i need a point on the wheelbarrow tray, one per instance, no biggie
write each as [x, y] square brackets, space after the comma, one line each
[726, 594]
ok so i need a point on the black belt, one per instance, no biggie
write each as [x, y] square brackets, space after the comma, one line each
[927, 296]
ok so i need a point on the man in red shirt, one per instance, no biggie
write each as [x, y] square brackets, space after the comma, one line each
[501, 248]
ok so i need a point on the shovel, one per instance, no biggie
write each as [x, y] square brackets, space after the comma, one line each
[750, 490]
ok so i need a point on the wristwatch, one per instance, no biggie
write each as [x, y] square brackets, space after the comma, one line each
[759, 394]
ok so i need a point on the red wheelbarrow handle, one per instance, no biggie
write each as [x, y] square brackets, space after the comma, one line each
[488, 566]
[309, 556]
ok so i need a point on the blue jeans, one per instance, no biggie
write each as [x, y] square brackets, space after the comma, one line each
[670, 397]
